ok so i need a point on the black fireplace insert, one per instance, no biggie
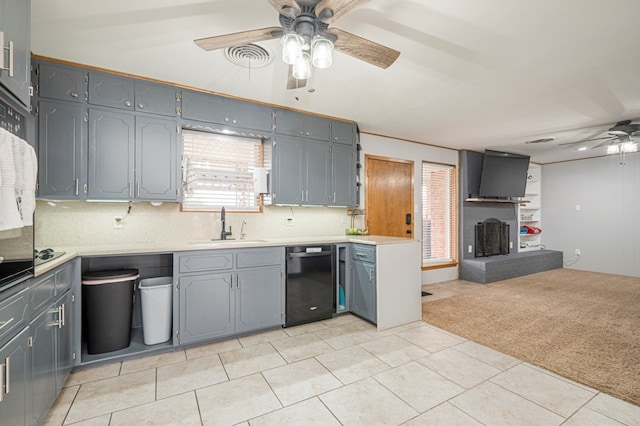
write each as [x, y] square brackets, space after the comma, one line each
[492, 238]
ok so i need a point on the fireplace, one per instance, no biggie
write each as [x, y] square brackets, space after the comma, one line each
[492, 238]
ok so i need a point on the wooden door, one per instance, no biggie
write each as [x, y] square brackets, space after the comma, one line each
[389, 196]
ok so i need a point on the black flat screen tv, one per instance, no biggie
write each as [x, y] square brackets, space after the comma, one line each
[504, 175]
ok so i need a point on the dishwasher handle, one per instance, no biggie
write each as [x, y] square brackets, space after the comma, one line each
[314, 254]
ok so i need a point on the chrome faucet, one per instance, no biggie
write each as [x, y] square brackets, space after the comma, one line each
[224, 234]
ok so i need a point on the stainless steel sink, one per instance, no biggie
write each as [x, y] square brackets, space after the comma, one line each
[225, 242]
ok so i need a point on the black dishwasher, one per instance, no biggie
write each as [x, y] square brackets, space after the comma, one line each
[310, 284]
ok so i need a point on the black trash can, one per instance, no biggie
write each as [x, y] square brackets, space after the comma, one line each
[107, 308]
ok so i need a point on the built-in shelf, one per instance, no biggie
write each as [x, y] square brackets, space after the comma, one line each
[530, 214]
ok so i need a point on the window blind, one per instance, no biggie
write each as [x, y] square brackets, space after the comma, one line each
[218, 170]
[439, 214]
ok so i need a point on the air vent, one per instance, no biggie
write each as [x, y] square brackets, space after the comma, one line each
[543, 140]
[248, 56]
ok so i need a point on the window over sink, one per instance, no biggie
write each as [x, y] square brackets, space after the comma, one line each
[218, 171]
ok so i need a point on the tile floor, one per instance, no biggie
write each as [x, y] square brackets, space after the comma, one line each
[339, 371]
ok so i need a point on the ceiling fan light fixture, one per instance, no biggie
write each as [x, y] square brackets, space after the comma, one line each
[302, 68]
[613, 149]
[291, 48]
[627, 147]
[322, 52]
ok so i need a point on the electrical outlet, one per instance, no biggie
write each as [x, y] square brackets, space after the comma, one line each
[510, 244]
[470, 249]
[118, 223]
[578, 252]
[289, 221]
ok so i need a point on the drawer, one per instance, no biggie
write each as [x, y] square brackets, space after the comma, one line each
[41, 292]
[13, 313]
[252, 258]
[63, 278]
[205, 261]
[363, 252]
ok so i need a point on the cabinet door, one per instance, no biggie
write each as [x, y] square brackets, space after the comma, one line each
[248, 115]
[60, 150]
[155, 98]
[342, 132]
[64, 340]
[288, 171]
[15, 21]
[111, 90]
[111, 155]
[43, 362]
[203, 107]
[362, 301]
[61, 82]
[206, 307]
[343, 182]
[156, 159]
[317, 127]
[15, 407]
[259, 298]
[317, 161]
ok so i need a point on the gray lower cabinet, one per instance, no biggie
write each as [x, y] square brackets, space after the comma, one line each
[15, 26]
[237, 296]
[15, 407]
[363, 282]
[43, 362]
[302, 171]
[132, 157]
[61, 151]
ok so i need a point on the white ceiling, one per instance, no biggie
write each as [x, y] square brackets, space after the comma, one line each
[472, 74]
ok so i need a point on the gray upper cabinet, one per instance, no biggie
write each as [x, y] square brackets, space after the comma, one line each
[156, 159]
[343, 175]
[111, 155]
[343, 132]
[132, 157]
[15, 28]
[301, 171]
[155, 98]
[228, 112]
[133, 95]
[61, 150]
[111, 90]
[304, 125]
[56, 81]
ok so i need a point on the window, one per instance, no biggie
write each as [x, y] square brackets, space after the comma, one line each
[218, 170]
[438, 214]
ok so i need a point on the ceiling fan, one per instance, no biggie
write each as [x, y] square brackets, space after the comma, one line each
[307, 38]
[619, 139]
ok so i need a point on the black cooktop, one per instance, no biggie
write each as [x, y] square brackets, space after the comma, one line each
[45, 255]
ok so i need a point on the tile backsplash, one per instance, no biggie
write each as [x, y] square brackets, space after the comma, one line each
[76, 223]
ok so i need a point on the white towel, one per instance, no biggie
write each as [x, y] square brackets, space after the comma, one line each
[18, 175]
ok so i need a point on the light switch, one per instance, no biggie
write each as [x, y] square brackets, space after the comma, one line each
[577, 207]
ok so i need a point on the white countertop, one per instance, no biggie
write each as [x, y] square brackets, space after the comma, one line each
[170, 247]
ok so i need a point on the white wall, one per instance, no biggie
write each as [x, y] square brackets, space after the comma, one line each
[606, 228]
[403, 150]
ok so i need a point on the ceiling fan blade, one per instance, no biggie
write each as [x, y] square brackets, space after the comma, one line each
[294, 83]
[282, 5]
[363, 49]
[238, 39]
[338, 8]
[586, 140]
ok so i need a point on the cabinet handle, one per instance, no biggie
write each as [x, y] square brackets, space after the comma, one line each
[77, 186]
[6, 323]
[234, 121]
[62, 313]
[306, 196]
[226, 119]
[10, 49]
[7, 375]
[140, 105]
[334, 198]
[127, 103]
[74, 94]
[370, 272]
[138, 189]
[130, 190]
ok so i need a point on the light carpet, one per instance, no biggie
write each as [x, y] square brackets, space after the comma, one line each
[581, 325]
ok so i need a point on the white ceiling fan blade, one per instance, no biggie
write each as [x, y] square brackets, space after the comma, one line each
[338, 8]
[238, 39]
[605, 143]
[282, 5]
[294, 83]
[363, 49]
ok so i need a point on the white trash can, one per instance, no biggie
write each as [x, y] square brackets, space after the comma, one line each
[157, 308]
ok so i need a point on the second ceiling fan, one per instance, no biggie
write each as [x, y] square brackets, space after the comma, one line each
[307, 38]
